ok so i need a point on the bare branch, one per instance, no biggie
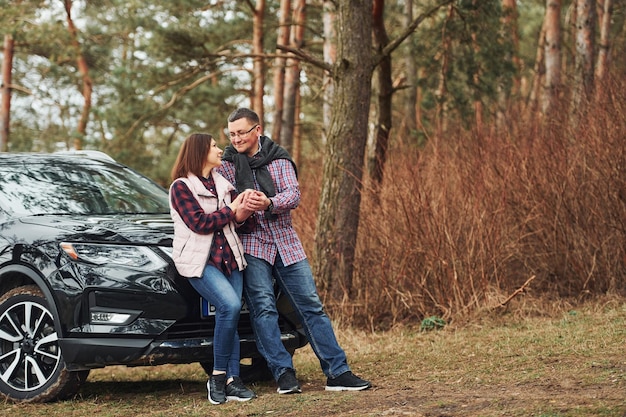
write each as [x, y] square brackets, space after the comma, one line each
[517, 291]
[391, 46]
[175, 97]
[304, 56]
[16, 87]
[251, 5]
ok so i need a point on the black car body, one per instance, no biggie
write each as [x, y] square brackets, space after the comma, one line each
[87, 280]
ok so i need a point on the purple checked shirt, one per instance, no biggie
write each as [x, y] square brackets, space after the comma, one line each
[271, 237]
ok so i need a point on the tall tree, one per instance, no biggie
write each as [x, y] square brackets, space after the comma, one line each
[258, 70]
[511, 36]
[539, 74]
[329, 19]
[292, 78]
[284, 29]
[83, 69]
[411, 108]
[5, 91]
[585, 51]
[552, 84]
[442, 87]
[383, 92]
[476, 80]
[510, 26]
[605, 46]
[338, 221]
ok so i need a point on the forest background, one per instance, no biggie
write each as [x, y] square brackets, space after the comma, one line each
[453, 155]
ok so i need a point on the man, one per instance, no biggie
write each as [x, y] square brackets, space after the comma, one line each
[274, 251]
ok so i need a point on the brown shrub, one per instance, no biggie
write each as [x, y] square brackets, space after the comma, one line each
[463, 222]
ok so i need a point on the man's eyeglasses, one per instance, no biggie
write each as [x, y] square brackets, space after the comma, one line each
[233, 135]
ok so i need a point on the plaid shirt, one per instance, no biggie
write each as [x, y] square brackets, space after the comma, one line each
[221, 255]
[272, 237]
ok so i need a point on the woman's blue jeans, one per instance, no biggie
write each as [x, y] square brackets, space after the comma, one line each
[297, 283]
[225, 294]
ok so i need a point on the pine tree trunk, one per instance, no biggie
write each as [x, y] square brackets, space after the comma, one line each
[383, 89]
[83, 69]
[510, 31]
[540, 72]
[585, 51]
[297, 132]
[411, 106]
[330, 56]
[552, 84]
[279, 67]
[442, 88]
[292, 78]
[5, 109]
[258, 69]
[602, 63]
[338, 217]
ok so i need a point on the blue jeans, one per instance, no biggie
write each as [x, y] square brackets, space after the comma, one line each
[296, 281]
[225, 294]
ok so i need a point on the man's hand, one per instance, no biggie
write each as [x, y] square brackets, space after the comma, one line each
[257, 201]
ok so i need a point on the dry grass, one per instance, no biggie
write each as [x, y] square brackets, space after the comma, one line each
[570, 364]
[463, 222]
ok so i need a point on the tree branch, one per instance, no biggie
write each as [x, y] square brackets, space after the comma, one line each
[175, 97]
[517, 291]
[251, 5]
[304, 56]
[395, 43]
[16, 87]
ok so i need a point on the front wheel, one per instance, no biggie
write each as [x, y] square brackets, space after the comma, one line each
[31, 363]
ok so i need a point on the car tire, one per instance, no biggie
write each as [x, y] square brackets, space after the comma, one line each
[32, 368]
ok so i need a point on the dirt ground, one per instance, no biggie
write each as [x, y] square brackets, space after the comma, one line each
[418, 396]
[572, 364]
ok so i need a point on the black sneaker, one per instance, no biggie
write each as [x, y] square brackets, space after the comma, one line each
[288, 384]
[347, 382]
[237, 391]
[217, 389]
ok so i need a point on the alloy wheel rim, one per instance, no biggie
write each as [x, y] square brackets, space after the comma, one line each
[29, 349]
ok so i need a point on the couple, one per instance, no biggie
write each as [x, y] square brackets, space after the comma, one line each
[221, 235]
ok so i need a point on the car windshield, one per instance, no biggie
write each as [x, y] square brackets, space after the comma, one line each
[77, 187]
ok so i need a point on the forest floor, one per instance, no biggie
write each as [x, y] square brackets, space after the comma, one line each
[569, 364]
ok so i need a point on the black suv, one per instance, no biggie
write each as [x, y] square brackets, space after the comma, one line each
[87, 280]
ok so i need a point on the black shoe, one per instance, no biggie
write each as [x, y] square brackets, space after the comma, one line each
[347, 382]
[217, 389]
[288, 384]
[237, 391]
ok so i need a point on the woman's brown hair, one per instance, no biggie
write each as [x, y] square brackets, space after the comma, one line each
[192, 155]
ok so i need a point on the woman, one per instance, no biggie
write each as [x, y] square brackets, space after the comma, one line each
[208, 251]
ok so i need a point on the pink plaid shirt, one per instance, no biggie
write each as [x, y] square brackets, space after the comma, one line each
[274, 236]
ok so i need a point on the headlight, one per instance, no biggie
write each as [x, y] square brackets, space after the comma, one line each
[128, 256]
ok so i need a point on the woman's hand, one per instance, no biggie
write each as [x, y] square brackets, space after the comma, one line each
[240, 206]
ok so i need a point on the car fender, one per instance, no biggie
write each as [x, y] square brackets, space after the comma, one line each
[9, 279]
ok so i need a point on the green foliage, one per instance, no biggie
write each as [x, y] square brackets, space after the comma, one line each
[478, 57]
[432, 323]
[164, 69]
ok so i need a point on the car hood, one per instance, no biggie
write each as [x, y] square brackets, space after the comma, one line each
[145, 229]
